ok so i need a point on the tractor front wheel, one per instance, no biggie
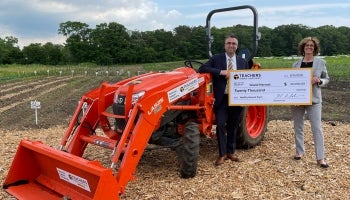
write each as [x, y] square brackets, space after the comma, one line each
[188, 151]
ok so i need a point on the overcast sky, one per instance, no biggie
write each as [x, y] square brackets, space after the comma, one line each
[37, 21]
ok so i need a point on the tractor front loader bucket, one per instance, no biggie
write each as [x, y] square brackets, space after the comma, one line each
[41, 172]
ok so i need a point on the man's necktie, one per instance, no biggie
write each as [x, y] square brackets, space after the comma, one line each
[230, 65]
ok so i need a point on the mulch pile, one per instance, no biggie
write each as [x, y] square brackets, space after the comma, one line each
[266, 171]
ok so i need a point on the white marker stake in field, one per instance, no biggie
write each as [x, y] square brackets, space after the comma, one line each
[35, 105]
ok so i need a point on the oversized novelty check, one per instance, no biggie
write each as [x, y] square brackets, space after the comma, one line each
[270, 87]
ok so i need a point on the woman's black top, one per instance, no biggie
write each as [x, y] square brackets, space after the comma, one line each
[306, 64]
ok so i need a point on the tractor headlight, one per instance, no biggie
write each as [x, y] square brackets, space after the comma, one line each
[137, 96]
[121, 99]
[118, 99]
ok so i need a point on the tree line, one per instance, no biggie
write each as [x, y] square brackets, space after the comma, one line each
[111, 43]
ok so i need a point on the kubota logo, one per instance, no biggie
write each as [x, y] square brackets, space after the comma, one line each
[157, 106]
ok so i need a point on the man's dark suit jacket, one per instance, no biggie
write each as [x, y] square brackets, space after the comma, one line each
[215, 64]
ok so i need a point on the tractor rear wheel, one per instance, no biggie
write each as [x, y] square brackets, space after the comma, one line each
[188, 151]
[253, 126]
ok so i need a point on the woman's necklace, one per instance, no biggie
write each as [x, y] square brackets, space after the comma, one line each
[307, 62]
[308, 59]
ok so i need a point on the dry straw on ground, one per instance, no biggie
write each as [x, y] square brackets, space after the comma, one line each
[265, 172]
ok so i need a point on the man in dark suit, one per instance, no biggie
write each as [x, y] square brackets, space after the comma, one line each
[227, 117]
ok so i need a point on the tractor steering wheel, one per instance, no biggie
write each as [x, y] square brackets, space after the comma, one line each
[189, 63]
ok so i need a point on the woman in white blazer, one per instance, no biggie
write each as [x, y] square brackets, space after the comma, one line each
[308, 48]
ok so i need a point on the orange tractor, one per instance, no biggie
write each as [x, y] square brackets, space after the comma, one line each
[172, 109]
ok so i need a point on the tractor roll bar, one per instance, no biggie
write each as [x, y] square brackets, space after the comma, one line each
[256, 34]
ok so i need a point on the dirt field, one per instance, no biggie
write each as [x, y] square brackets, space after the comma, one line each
[59, 97]
[265, 172]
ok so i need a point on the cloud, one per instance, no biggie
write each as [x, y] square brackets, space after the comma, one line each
[34, 20]
[313, 15]
[49, 6]
[58, 39]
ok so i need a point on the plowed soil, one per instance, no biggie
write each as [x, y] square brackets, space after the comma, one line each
[264, 172]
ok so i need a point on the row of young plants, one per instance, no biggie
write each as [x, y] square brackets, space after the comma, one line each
[338, 68]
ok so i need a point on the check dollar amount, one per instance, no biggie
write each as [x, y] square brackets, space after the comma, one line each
[270, 87]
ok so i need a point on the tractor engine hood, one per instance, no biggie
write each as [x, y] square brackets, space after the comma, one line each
[150, 83]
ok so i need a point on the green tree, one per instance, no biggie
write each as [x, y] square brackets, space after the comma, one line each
[264, 45]
[284, 38]
[183, 41]
[137, 47]
[198, 44]
[345, 39]
[78, 36]
[332, 41]
[109, 43]
[163, 44]
[34, 54]
[53, 53]
[112, 43]
[9, 53]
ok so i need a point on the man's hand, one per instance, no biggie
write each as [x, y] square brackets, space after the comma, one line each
[225, 73]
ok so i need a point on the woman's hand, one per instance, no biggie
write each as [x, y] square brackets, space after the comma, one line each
[315, 80]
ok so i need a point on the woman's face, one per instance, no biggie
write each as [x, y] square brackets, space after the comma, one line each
[309, 47]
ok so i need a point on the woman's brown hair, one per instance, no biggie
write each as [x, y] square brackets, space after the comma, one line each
[303, 42]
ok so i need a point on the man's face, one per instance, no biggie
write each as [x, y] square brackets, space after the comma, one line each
[231, 45]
